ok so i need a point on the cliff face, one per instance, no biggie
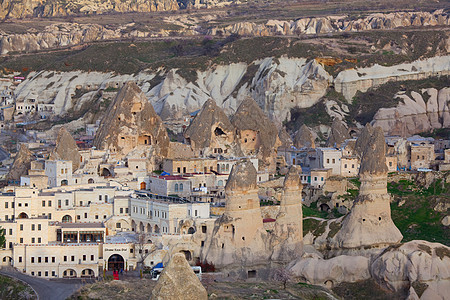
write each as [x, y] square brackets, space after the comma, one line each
[336, 24]
[49, 8]
[415, 115]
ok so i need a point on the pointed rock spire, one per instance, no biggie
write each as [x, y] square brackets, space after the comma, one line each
[304, 138]
[339, 133]
[21, 164]
[66, 148]
[178, 282]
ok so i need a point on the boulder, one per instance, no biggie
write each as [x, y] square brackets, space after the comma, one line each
[178, 282]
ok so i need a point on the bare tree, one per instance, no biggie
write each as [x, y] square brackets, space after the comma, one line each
[282, 275]
[143, 248]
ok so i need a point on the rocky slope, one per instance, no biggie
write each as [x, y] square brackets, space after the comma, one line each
[49, 8]
[335, 24]
[278, 85]
[419, 112]
[62, 34]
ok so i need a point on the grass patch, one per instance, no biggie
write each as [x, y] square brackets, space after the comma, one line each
[416, 218]
[12, 289]
[316, 227]
[367, 289]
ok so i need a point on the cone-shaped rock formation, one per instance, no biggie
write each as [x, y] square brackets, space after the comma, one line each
[257, 133]
[131, 122]
[21, 164]
[178, 282]
[211, 131]
[288, 231]
[66, 148]
[304, 138]
[369, 222]
[339, 133]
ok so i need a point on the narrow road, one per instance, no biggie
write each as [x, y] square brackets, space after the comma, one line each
[47, 289]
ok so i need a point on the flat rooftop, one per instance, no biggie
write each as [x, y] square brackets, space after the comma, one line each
[81, 225]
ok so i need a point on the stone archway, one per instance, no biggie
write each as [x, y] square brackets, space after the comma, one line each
[70, 273]
[87, 273]
[156, 229]
[149, 228]
[66, 219]
[90, 180]
[105, 172]
[22, 216]
[191, 230]
[116, 262]
[324, 207]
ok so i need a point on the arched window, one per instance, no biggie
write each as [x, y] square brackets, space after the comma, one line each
[181, 187]
[176, 187]
[220, 183]
[228, 167]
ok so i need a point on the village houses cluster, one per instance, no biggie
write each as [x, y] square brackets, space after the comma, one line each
[73, 211]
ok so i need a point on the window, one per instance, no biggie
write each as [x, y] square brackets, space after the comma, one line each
[32, 260]
[6, 218]
[39, 240]
[32, 273]
[84, 256]
[78, 217]
[328, 160]
[32, 227]
[176, 187]
[353, 166]
[32, 240]
[53, 273]
[49, 203]
[10, 231]
[106, 198]
[104, 216]
[39, 226]
[85, 215]
[43, 203]
[96, 217]
[65, 258]
[72, 258]
[126, 210]
[46, 273]
[121, 210]
[39, 259]
[321, 178]
[118, 225]
[67, 202]
[6, 204]
[181, 187]
[196, 212]
[81, 203]
[334, 161]
[39, 273]
[92, 257]
[21, 240]
[345, 166]
[59, 203]
[53, 259]
[99, 197]
[20, 259]
[46, 259]
[50, 216]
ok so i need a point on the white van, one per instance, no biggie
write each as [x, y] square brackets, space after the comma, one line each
[156, 272]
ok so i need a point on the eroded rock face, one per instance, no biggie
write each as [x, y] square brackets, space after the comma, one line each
[414, 115]
[350, 81]
[36, 8]
[21, 164]
[304, 138]
[328, 272]
[211, 130]
[404, 266]
[257, 134]
[335, 24]
[66, 148]
[130, 123]
[287, 236]
[178, 282]
[369, 222]
[339, 133]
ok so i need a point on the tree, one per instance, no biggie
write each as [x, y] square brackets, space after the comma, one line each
[282, 275]
[2, 238]
[143, 249]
